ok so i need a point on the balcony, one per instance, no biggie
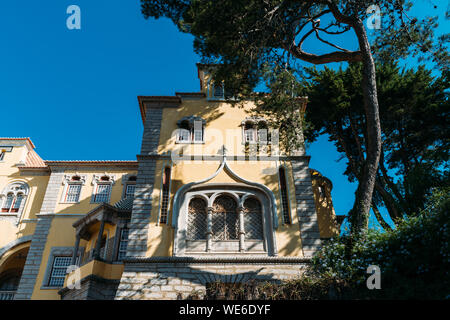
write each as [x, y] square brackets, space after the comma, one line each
[7, 295]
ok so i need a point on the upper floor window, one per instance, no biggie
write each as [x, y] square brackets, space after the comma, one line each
[13, 197]
[2, 154]
[102, 193]
[217, 91]
[72, 188]
[129, 182]
[191, 130]
[102, 188]
[255, 130]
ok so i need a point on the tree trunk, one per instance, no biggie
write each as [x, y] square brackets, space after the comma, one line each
[359, 215]
[380, 218]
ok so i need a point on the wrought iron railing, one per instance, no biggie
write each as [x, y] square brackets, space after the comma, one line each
[7, 295]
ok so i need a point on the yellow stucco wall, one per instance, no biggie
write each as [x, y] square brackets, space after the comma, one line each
[9, 173]
[223, 127]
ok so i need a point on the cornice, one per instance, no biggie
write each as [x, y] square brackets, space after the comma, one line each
[219, 259]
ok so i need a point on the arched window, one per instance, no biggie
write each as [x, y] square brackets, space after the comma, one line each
[218, 91]
[165, 195]
[196, 228]
[225, 220]
[13, 197]
[253, 222]
[8, 202]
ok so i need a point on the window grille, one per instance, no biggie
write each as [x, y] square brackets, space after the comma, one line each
[196, 229]
[253, 222]
[198, 135]
[73, 193]
[123, 243]
[58, 272]
[262, 136]
[284, 196]
[8, 202]
[17, 203]
[165, 195]
[249, 135]
[184, 135]
[225, 220]
[129, 192]
[103, 191]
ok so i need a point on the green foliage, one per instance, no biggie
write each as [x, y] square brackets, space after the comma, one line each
[308, 287]
[414, 116]
[414, 258]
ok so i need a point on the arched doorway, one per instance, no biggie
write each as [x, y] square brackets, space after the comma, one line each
[11, 268]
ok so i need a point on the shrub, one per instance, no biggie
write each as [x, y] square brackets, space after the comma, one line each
[414, 258]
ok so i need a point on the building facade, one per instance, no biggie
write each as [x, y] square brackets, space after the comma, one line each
[211, 197]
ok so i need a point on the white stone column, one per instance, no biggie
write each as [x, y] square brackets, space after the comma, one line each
[209, 229]
[241, 229]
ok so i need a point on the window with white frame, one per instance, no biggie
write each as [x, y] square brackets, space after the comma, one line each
[13, 197]
[102, 193]
[190, 130]
[72, 190]
[255, 130]
[123, 243]
[129, 192]
[59, 269]
[129, 186]
[102, 188]
[73, 193]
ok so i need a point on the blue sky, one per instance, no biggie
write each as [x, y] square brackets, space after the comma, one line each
[74, 92]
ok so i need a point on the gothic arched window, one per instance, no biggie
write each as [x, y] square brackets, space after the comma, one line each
[253, 222]
[225, 220]
[196, 229]
[13, 197]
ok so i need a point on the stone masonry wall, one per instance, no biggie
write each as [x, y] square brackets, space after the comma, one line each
[171, 279]
[306, 208]
[142, 204]
[39, 239]
[91, 288]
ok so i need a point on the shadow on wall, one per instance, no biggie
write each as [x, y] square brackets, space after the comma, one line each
[181, 280]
